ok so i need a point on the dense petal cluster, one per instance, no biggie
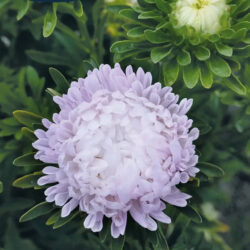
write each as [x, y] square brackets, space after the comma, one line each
[121, 145]
[202, 15]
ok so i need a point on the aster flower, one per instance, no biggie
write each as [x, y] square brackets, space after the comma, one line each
[121, 145]
[198, 40]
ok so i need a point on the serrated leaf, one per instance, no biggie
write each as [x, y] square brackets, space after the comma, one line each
[191, 74]
[28, 181]
[27, 118]
[170, 72]
[236, 85]
[53, 218]
[28, 133]
[210, 170]
[37, 211]
[219, 66]
[206, 76]
[27, 160]
[159, 53]
[59, 79]
[118, 244]
[50, 20]
[183, 57]
[156, 36]
[191, 213]
[202, 53]
[62, 221]
[223, 49]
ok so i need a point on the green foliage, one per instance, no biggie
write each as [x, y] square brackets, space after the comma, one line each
[151, 25]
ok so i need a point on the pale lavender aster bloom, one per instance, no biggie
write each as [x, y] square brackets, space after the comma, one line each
[121, 145]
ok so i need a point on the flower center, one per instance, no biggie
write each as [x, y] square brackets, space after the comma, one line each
[202, 15]
[201, 4]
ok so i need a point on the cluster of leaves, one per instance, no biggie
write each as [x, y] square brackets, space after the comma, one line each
[220, 114]
[182, 52]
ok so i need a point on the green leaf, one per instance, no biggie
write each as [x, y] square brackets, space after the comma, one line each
[150, 15]
[27, 160]
[22, 8]
[77, 8]
[162, 241]
[27, 118]
[1, 187]
[52, 92]
[219, 66]
[118, 244]
[50, 20]
[243, 52]
[125, 46]
[62, 221]
[236, 85]
[191, 74]
[53, 218]
[28, 133]
[105, 231]
[37, 211]
[191, 213]
[202, 53]
[48, 58]
[206, 76]
[224, 49]
[28, 181]
[210, 170]
[59, 79]
[159, 53]
[248, 148]
[156, 36]
[136, 32]
[183, 57]
[170, 72]
[34, 81]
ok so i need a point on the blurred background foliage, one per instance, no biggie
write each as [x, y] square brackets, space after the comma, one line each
[73, 38]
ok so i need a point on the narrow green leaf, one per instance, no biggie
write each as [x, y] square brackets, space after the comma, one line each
[37, 211]
[28, 181]
[191, 74]
[28, 133]
[27, 118]
[27, 160]
[159, 53]
[183, 57]
[48, 58]
[248, 148]
[163, 244]
[224, 49]
[210, 170]
[22, 8]
[206, 76]
[150, 15]
[50, 20]
[236, 85]
[202, 53]
[156, 36]
[52, 92]
[243, 52]
[77, 8]
[170, 72]
[1, 187]
[125, 46]
[53, 218]
[191, 213]
[219, 66]
[62, 221]
[105, 231]
[118, 244]
[59, 79]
